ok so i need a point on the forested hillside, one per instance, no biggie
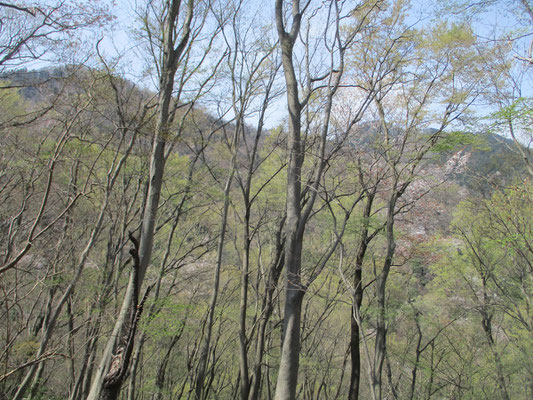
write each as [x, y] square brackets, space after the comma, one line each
[266, 200]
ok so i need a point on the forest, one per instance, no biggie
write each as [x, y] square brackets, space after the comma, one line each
[280, 199]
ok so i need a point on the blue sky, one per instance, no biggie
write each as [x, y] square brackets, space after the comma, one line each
[488, 25]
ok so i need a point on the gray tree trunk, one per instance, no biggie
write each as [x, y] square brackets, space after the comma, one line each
[171, 56]
[290, 352]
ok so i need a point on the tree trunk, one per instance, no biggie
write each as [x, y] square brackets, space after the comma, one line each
[267, 308]
[171, 56]
[290, 354]
[290, 351]
[486, 321]
[134, 369]
[112, 382]
[199, 388]
[47, 331]
[243, 356]
[355, 351]
[381, 282]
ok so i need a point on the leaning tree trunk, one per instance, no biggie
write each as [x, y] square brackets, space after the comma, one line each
[112, 382]
[171, 55]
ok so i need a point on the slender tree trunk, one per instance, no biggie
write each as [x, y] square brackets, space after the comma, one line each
[431, 372]
[134, 369]
[486, 321]
[199, 388]
[172, 50]
[417, 358]
[355, 351]
[381, 282]
[86, 386]
[519, 146]
[246, 380]
[161, 370]
[298, 214]
[47, 332]
[243, 357]
[266, 310]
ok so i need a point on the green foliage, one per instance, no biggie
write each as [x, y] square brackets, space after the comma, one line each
[519, 116]
[167, 321]
[454, 140]
[12, 104]
[26, 348]
[440, 288]
[482, 273]
[444, 37]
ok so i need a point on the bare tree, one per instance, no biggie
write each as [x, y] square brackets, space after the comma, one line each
[125, 137]
[301, 199]
[182, 24]
[33, 31]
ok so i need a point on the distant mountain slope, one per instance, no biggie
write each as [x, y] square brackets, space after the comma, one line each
[493, 161]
